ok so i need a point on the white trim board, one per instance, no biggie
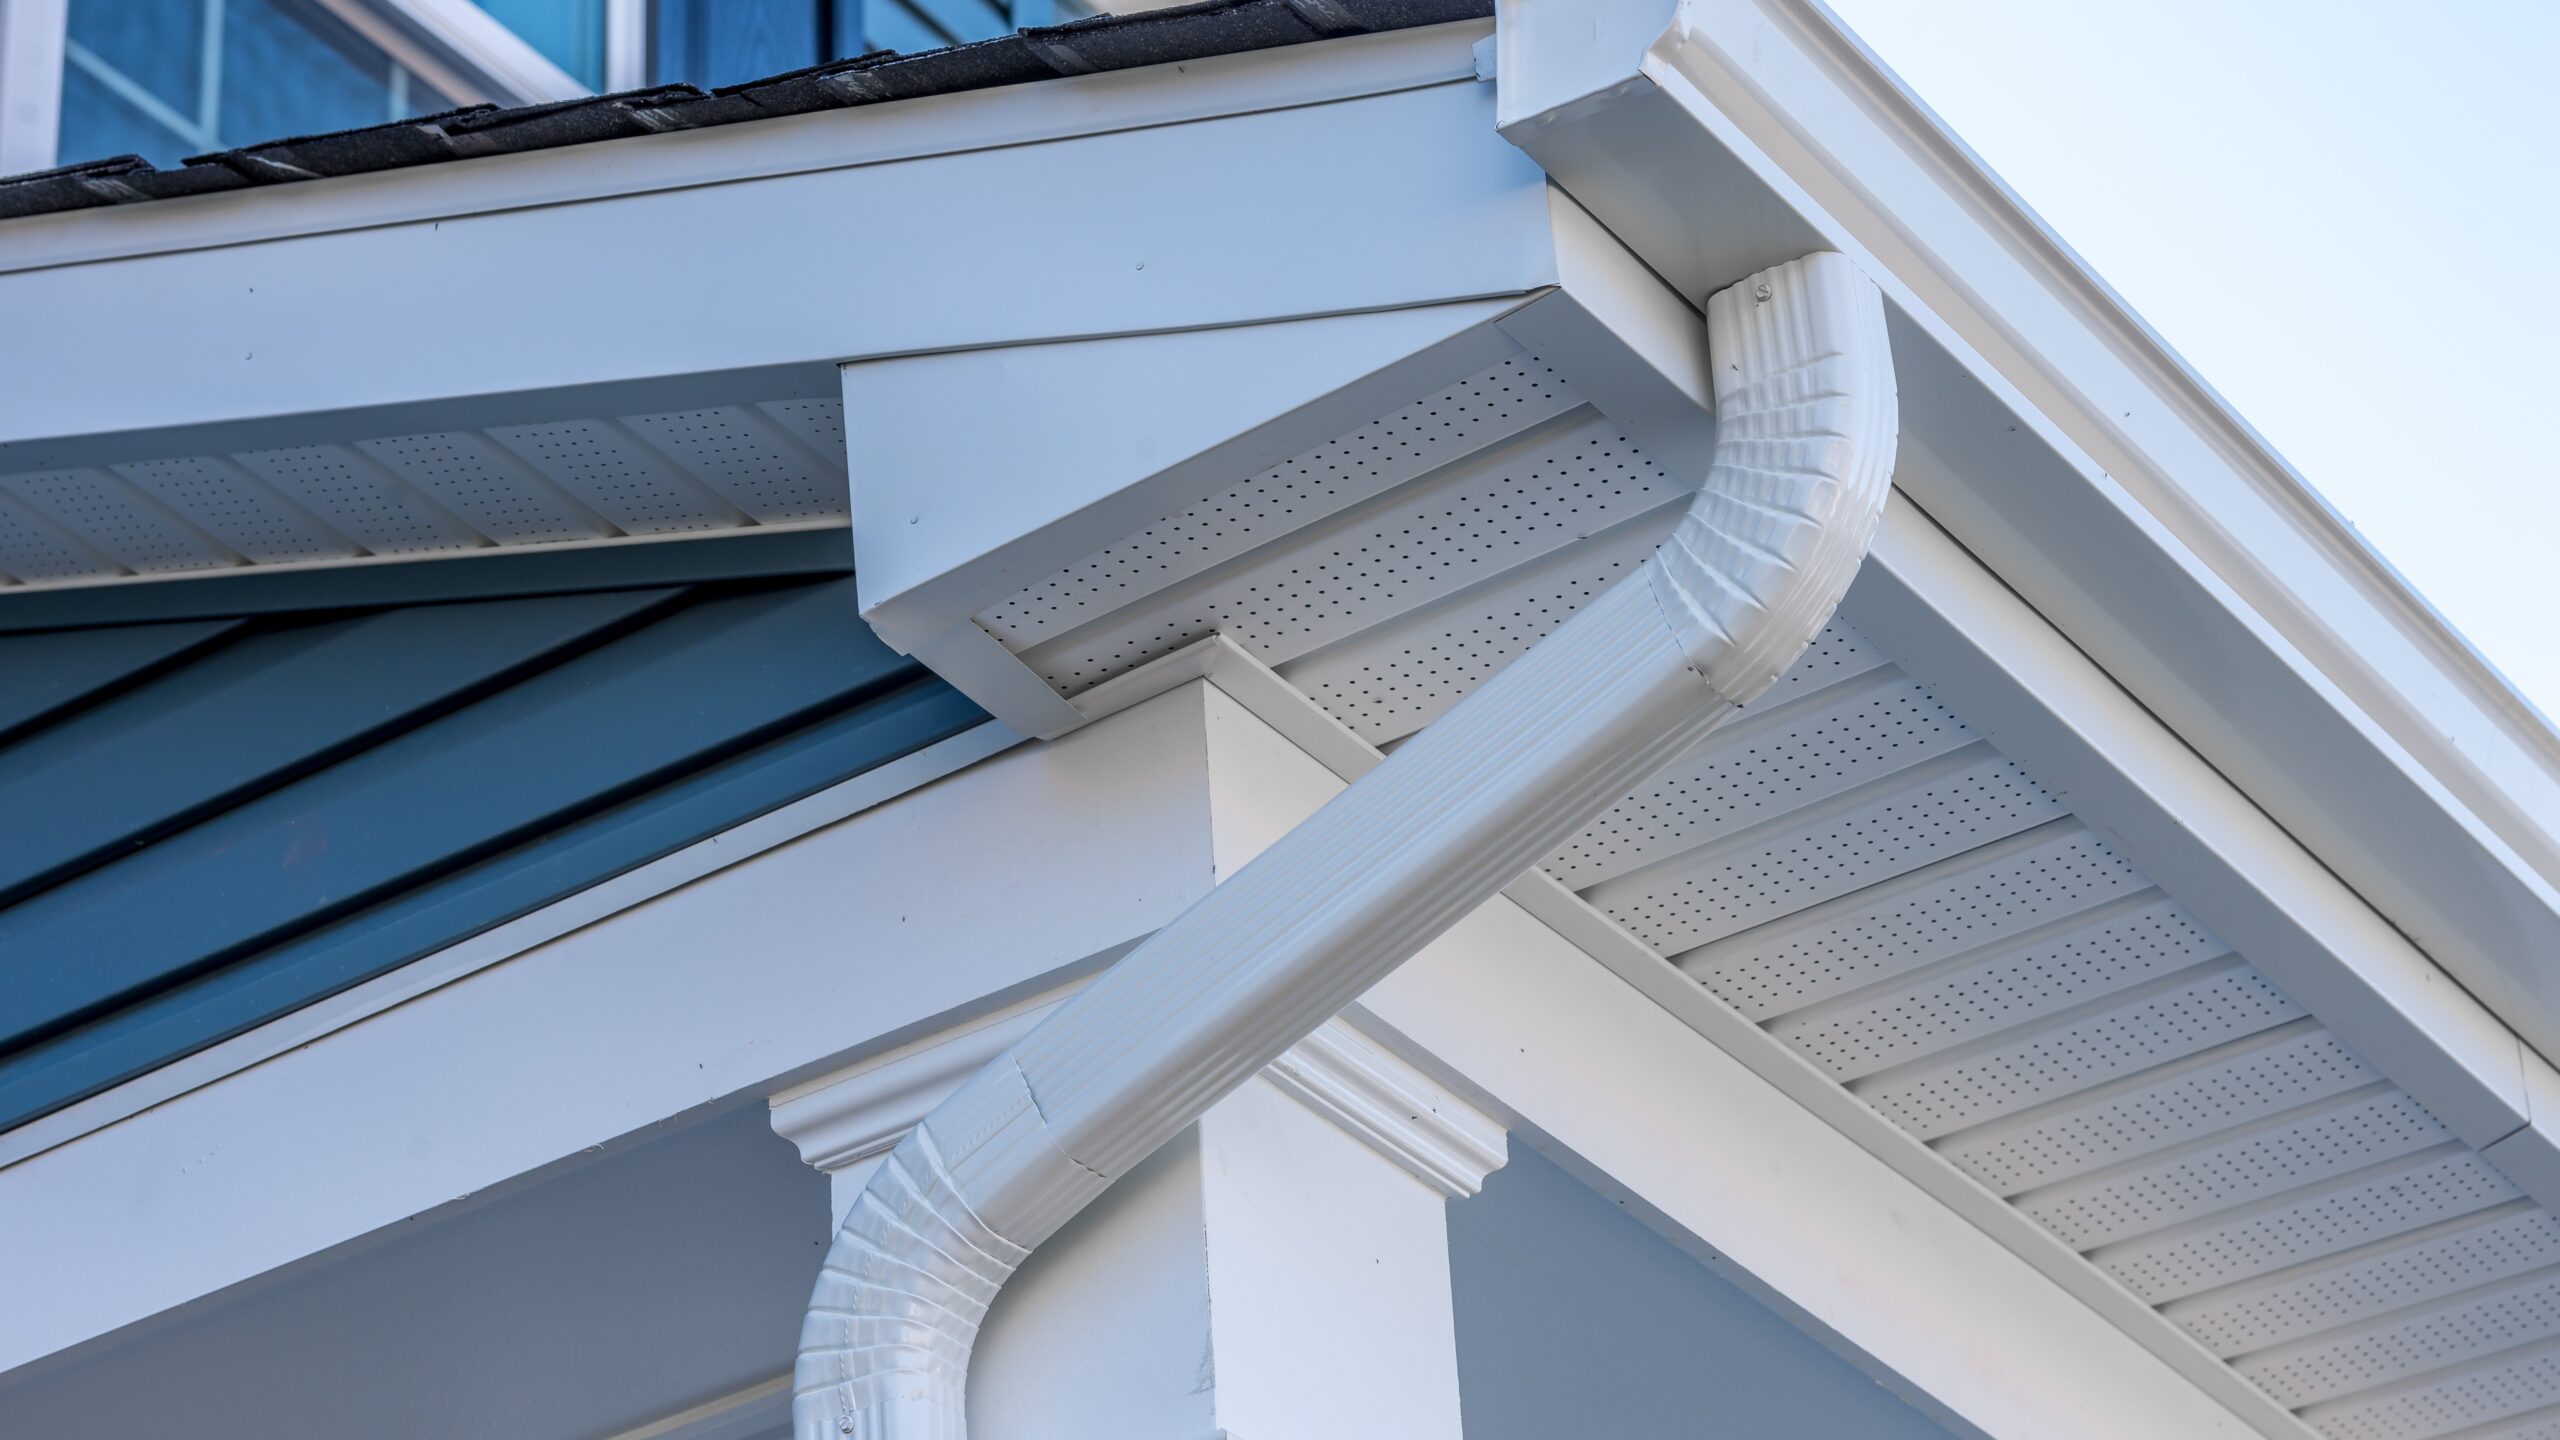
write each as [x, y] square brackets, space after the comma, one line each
[853, 937]
[939, 124]
[1677, 1099]
[503, 942]
[1373, 202]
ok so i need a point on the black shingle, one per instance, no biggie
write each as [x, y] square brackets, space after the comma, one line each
[1104, 42]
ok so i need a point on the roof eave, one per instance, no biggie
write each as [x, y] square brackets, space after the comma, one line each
[2133, 509]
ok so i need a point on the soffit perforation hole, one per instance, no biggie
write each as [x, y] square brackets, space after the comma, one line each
[94, 508]
[31, 552]
[2384, 1205]
[1398, 692]
[337, 486]
[2445, 1264]
[2315, 1147]
[1914, 1021]
[1316, 483]
[2167, 1111]
[1836, 654]
[726, 449]
[2527, 1382]
[1949, 1095]
[246, 518]
[818, 424]
[2437, 1338]
[1442, 538]
[1725, 787]
[615, 478]
[457, 473]
[1947, 816]
[1905, 930]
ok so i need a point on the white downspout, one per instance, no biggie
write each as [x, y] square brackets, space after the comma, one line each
[1806, 420]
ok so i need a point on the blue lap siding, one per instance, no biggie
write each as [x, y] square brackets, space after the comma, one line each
[211, 823]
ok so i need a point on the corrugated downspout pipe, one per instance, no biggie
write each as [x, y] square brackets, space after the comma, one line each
[1804, 450]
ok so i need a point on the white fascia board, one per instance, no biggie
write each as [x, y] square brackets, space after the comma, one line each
[1376, 201]
[2057, 438]
[1029, 114]
[2017, 680]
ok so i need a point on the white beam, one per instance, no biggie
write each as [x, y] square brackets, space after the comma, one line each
[1737, 1167]
[852, 938]
[1367, 203]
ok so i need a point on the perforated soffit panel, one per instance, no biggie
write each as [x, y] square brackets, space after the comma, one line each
[580, 481]
[1856, 871]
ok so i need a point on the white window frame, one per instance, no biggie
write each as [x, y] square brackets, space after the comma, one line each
[31, 38]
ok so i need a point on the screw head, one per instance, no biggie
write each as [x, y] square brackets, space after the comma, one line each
[1760, 292]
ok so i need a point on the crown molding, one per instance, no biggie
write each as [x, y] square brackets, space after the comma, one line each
[857, 1114]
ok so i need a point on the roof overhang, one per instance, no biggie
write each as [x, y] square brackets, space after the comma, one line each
[1257, 255]
[2060, 440]
[717, 274]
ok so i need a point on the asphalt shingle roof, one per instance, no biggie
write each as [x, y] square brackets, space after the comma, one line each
[1083, 47]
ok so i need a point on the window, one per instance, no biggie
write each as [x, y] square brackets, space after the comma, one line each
[165, 79]
[721, 42]
[570, 33]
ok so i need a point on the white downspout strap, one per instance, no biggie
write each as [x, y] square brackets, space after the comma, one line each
[1804, 453]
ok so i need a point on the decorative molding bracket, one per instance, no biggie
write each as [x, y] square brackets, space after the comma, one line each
[842, 1120]
[1393, 1108]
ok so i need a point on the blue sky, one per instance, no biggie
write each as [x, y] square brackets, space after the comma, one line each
[2345, 215]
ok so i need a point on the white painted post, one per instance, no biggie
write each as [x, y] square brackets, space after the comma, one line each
[1298, 1230]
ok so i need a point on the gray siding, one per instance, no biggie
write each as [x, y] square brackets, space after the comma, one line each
[1575, 1319]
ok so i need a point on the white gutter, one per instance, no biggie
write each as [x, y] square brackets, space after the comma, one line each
[1804, 453]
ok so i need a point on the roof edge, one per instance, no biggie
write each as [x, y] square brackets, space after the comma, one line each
[1099, 44]
[2080, 458]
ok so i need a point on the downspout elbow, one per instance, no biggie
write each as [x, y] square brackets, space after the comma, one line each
[1803, 455]
[1806, 423]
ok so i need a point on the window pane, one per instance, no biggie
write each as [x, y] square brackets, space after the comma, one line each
[570, 32]
[721, 42]
[423, 98]
[156, 44]
[289, 69]
[97, 123]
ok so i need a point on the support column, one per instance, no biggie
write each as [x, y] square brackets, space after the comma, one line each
[1281, 1269]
